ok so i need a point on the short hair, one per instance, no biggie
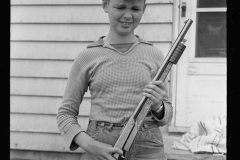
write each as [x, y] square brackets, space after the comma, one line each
[124, 1]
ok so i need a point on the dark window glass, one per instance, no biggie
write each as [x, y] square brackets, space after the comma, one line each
[211, 3]
[211, 34]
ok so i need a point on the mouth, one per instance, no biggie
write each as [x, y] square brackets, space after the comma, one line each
[126, 23]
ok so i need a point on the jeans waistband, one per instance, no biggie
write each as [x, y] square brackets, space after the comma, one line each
[145, 125]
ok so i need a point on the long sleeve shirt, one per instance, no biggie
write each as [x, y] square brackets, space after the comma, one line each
[115, 80]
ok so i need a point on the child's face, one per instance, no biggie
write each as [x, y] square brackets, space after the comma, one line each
[124, 16]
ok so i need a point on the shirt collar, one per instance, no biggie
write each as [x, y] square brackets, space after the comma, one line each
[100, 42]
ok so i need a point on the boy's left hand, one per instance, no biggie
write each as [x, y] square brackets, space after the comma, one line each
[155, 91]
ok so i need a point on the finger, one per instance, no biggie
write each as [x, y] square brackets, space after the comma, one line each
[151, 97]
[157, 85]
[157, 89]
[157, 93]
[109, 157]
[152, 88]
[160, 84]
[114, 151]
[117, 150]
[152, 92]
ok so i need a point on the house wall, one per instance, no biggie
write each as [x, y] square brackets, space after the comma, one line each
[46, 35]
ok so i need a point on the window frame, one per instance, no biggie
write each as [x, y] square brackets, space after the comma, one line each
[193, 13]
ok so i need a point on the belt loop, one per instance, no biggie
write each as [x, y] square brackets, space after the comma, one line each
[124, 120]
[102, 124]
[145, 125]
[94, 124]
[110, 127]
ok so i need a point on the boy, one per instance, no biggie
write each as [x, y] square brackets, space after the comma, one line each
[117, 69]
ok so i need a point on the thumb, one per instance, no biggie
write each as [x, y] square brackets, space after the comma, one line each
[117, 150]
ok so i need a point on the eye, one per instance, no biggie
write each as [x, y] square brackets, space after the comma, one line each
[120, 8]
[135, 9]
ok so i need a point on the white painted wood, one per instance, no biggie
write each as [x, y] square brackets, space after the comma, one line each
[224, 9]
[43, 105]
[181, 88]
[201, 83]
[204, 110]
[57, 50]
[40, 68]
[39, 123]
[208, 60]
[207, 69]
[173, 73]
[44, 155]
[52, 2]
[72, 2]
[87, 32]
[211, 88]
[52, 33]
[46, 50]
[39, 86]
[80, 14]
[58, 14]
[39, 142]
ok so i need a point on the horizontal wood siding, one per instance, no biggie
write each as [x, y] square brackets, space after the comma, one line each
[42, 104]
[38, 142]
[83, 32]
[46, 36]
[40, 50]
[80, 14]
[74, 2]
[41, 123]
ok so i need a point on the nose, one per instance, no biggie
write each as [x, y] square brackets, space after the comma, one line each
[127, 14]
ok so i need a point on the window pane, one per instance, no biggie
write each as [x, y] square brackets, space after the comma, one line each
[211, 34]
[211, 3]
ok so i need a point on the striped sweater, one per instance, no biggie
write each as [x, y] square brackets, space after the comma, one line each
[115, 80]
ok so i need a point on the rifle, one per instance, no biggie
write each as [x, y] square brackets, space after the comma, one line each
[134, 123]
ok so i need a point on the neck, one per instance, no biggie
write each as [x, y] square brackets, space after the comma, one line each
[116, 39]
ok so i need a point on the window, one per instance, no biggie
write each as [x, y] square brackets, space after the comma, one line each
[211, 28]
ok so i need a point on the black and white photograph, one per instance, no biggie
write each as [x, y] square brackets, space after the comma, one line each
[118, 79]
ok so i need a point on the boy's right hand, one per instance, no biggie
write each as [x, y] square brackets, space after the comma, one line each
[98, 150]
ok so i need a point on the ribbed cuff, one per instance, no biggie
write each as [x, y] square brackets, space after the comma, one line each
[70, 134]
[166, 117]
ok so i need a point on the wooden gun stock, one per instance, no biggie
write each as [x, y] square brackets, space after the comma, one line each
[133, 125]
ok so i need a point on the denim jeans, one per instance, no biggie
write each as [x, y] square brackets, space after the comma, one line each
[148, 144]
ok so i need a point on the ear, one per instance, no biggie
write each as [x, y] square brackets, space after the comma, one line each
[105, 5]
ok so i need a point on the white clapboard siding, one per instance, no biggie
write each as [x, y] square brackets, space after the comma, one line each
[73, 2]
[43, 105]
[41, 123]
[39, 68]
[57, 50]
[80, 14]
[46, 50]
[39, 86]
[46, 36]
[39, 142]
[86, 32]
[37, 155]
